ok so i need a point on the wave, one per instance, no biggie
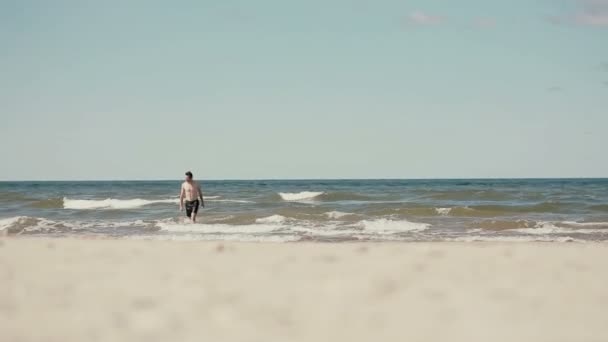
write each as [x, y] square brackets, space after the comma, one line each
[327, 231]
[542, 227]
[340, 196]
[443, 211]
[603, 225]
[307, 197]
[468, 195]
[335, 215]
[392, 226]
[226, 200]
[498, 225]
[564, 228]
[38, 225]
[487, 210]
[111, 203]
[288, 214]
[245, 219]
[217, 228]
[543, 207]
[345, 196]
[25, 224]
[277, 223]
[501, 210]
[222, 226]
[299, 196]
[272, 219]
[485, 238]
[221, 237]
[470, 211]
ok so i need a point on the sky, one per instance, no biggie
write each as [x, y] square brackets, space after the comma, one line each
[303, 89]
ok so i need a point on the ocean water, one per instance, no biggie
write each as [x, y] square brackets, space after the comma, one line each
[559, 210]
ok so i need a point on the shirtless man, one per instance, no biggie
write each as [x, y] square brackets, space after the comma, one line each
[191, 191]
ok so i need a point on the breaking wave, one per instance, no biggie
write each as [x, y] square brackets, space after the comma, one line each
[299, 196]
[392, 226]
[25, 224]
[111, 203]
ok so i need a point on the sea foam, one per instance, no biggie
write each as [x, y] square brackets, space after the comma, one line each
[111, 203]
[217, 228]
[336, 214]
[300, 196]
[387, 226]
[272, 219]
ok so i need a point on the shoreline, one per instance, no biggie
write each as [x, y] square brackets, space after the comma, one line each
[75, 289]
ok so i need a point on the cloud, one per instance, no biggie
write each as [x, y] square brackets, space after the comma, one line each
[484, 22]
[606, 83]
[593, 13]
[604, 66]
[424, 19]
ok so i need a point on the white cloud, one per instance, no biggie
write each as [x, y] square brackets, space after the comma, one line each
[424, 19]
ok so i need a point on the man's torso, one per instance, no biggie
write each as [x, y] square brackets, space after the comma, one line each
[190, 191]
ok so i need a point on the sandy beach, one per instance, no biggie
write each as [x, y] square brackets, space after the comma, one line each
[121, 290]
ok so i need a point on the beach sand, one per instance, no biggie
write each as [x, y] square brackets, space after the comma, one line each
[127, 290]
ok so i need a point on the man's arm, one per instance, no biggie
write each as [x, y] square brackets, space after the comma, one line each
[181, 198]
[200, 194]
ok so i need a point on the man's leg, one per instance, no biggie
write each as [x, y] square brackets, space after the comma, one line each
[195, 210]
[188, 209]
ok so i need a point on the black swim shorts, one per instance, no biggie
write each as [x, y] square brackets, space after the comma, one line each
[191, 206]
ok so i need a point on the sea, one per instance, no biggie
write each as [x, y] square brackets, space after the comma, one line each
[550, 210]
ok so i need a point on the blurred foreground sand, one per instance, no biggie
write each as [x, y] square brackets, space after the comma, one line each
[121, 290]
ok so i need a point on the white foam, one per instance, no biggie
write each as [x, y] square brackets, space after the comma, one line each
[443, 211]
[299, 196]
[227, 200]
[220, 237]
[113, 224]
[326, 231]
[474, 230]
[479, 238]
[24, 224]
[111, 203]
[9, 222]
[385, 238]
[585, 224]
[216, 228]
[542, 230]
[337, 214]
[272, 219]
[545, 228]
[392, 226]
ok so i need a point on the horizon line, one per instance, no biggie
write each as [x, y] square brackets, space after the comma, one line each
[303, 179]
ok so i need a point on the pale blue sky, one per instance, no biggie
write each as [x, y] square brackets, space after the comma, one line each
[306, 89]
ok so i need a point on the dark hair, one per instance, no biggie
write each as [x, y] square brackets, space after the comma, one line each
[189, 174]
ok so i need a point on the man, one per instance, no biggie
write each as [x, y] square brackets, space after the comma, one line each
[191, 191]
